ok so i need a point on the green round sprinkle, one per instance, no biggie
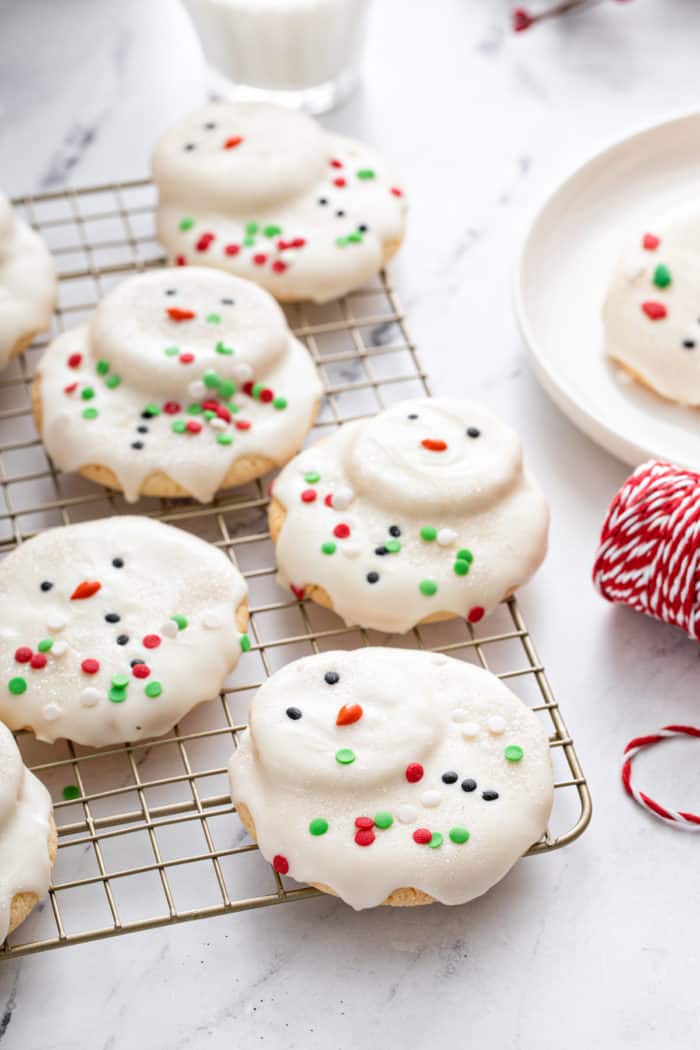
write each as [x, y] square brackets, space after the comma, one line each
[90, 413]
[662, 276]
[251, 228]
[117, 694]
[71, 792]
[153, 689]
[113, 381]
[208, 414]
[211, 379]
[354, 238]
[180, 620]
[179, 426]
[328, 547]
[224, 439]
[427, 587]
[87, 393]
[279, 403]
[428, 533]
[312, 477]
[365, 173]
[227, 388]
[460, 567]
[318, 826]
[233, 408]
[345, 756]
[459, 835]
[222, 349]
[464, 555]
[245, 643]
[120, 681]
[436, 840]
[194, 409]
[102, 367]
[44, 645]
[186, 224]
[17, 685]
[248, 242]
[383, 819]
[257, 388]
[213, 318]
[393, 546]
[171, 351]
[272, 231]
[341, 241]
[514, 753]
[151, 409]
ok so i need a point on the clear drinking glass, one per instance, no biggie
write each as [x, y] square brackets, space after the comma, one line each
[301, 53]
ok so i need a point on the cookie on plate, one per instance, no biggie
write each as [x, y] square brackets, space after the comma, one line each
[27, 837]
[421, 513]
[652, 312]
[112, 630]
[185, 382]
[27, 284]
[391, 776]
[266, 193]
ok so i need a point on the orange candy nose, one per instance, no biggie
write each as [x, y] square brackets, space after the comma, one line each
[175, 313]
[234, 141]
[86, 589]
[348, 715]
[434, 446]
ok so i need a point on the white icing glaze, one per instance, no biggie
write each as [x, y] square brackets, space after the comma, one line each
[128, 337]
[286, 772]
[664, 352]
[27, 282]
[272, 182]
[25, 810]
[475, 487]
[166, 572]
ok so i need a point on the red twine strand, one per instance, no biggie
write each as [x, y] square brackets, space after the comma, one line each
[676, 818]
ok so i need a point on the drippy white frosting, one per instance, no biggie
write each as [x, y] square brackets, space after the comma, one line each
[126, 343]
[396, 709]
[378, 487]
[27, 282]
[279, 204]
[654, 278]
[164, 573]
[25, 810]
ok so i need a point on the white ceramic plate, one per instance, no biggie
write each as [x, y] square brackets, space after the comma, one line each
[562, 277]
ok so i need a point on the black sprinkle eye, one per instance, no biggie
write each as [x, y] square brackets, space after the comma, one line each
[323, 200]
[380, 550]
[227, 302]
[171, 291]
[473, 432]
[363, 227]
[137, 444]
[46, 585]
[189, 146]
[147, 415]
[489, 796]
[689, 344]
[112, 617]
[209, 126]
[450, 777]
[469, 784]
[372, 577]
[134, 663]
[123, 639]
[142, 430]
[394, 530]
[413, 415]
[118, 563]
[340, 214]
[294, 713]
[331, 677]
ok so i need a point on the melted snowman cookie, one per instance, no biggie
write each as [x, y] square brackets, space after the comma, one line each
[392, 776]
[27, 284]
[268, 194]
[27, 837]
[183, 383]
[423, 512]
[113, 630]
[652, 309]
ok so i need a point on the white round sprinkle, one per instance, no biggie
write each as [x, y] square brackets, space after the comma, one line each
[51, 712]
[217, 423]
[634, 269]
[56, 621]
[90, 696]
[211, 620]
[407, 814]
[470, 730]
[496, 724]
[169, 629]
[350, 550]
[460, 714]
[431, 799]
[242, 372]
[446, 537]
[196, 389]
[342, 499]
[59, 649]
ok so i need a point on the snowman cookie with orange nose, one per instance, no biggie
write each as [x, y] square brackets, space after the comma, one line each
[112, 630]
[421, 513]
[266, 193]
[184, 382]
[392, 776]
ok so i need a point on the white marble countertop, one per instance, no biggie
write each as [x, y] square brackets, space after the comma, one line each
[596, 944]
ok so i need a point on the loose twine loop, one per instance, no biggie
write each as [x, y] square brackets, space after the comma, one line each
[680, 819]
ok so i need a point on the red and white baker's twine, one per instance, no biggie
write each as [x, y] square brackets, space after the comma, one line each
[649, 554]
[677, 818]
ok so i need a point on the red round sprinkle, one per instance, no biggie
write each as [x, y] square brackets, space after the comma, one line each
[434, 445]
[364, 822]
[422, 836]
[475, 614]
[259, 258]
[204, 241]
[37, 661]
[336, 163]
[414, 772]
[180, 260]
[23, 655]
[151, 641]
[650, 242]
[654, 311]
[70, 388]
[242, 424]
[171, 408]
[223, 413]
[280, 864]
[266, 394]
[364, 837]
[90, 666]
[234, 141]
[342, 531]
[210, 405]
[308, 495]
[176, 313]
[396, 191]
[278, 266]
[232, 249]
[140, 670]
[328, 500]
[298, 592]
[297, 242]
[186, 359]
[74, 361]
[193, 426]
[339, 182]
[247, 388]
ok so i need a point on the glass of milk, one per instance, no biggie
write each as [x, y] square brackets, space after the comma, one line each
[301, 53]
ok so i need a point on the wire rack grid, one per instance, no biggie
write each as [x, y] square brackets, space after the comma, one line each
[152, 837]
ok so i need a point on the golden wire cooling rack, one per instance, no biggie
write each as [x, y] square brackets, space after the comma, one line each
[147, 833]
